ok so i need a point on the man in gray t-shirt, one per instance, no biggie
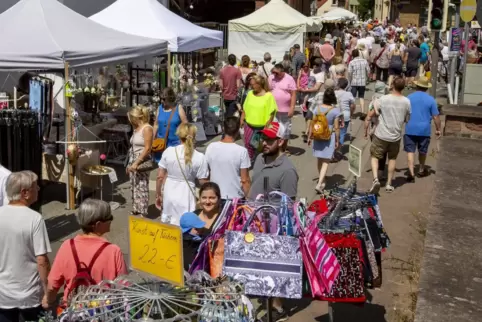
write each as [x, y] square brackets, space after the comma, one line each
[393, 111]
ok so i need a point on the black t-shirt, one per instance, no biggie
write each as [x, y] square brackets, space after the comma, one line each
[414, 54]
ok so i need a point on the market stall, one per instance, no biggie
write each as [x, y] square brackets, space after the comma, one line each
[273, 28]
[337, 15]
[55, 39]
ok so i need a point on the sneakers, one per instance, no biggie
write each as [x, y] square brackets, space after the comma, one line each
[375, 187]
[277, 316]
[389, 188]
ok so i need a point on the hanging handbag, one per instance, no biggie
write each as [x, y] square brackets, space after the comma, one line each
[216, 246]
[160, 144]
[321, 266]
[267, 265]
[349, 285]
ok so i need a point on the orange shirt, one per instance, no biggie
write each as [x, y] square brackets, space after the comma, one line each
[108, 266]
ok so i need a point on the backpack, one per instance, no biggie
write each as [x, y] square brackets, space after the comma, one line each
[320, 129]
[83, 278]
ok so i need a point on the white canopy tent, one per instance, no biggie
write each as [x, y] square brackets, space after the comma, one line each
[273, 28]
[151, 19]
[337, 15]
[45, 34]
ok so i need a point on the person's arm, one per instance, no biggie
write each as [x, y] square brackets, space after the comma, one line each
[436, 119]
[333, 53]
[202, 174]
[43, 267]
[241, 120]
[371, 114]
[336, 128]
[405, 57]
[182, 114]
[289, 183]
[148, 134]
[239, 79]
[297, 81]
[245, 181]
[156, 124]
[161, 177]
[292, 103]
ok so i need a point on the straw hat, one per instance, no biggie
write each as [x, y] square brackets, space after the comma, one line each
[423, 82]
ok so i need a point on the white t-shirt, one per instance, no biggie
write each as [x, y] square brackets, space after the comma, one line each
[393, 111]
[226, 161]
[4, 173]
[393, 46]
[23, 237]
[319, 77]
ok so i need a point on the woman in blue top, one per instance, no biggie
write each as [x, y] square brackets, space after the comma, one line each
[164, 111]
[323, 150]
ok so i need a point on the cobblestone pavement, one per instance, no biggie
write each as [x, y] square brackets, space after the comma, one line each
[403, 213]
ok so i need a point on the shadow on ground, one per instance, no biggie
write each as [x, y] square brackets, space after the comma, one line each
[367, 312]
[61, 226]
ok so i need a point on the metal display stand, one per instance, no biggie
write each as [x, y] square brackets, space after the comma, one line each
[267, 220]
[114, 205]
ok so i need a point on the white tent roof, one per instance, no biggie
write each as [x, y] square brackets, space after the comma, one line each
[336, 15]
[275, 16]
[43, 34]
[151, 19]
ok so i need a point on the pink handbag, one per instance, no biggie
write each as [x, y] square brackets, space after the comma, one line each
[320, 263]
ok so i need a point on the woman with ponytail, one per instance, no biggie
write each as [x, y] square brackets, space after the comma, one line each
[141, 142]
[179, 168]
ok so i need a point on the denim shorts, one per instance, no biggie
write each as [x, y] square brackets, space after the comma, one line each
[358, 89]
[411, 143]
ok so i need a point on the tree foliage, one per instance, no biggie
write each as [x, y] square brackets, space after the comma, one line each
[366, 9]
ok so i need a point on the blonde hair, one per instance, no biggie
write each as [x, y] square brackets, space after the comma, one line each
[139, 113]
[187, 134]
[261, 81]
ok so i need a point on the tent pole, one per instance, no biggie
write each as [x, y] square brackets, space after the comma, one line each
[168, 68]
[68, 138]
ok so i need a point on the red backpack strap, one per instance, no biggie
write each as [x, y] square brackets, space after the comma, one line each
[74, 253]
[96, 255]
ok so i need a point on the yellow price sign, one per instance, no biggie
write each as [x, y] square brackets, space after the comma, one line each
[156, 249]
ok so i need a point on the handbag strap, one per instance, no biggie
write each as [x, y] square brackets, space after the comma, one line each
[379, 55]
[253, 215]
[166, 135]
[183, 174]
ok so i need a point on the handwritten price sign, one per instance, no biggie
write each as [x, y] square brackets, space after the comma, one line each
[156, 248]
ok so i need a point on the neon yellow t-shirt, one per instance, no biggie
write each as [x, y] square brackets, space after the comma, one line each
[258, 109]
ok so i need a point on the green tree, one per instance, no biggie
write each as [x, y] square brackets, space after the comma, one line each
[365, 8]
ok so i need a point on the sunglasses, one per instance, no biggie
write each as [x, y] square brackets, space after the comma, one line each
[267, 139]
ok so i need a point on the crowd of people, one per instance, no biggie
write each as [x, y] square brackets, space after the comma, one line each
[323, 81]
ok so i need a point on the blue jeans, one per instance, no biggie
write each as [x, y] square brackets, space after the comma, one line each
[343, 131]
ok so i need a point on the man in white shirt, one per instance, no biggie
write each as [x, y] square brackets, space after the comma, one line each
[264, 69]
[229, 163]
[4, 173]
[24, 265]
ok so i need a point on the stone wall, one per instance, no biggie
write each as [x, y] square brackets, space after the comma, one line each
[463, 121]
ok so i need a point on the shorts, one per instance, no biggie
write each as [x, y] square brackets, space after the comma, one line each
[230, 108]
[394, 71]
[358, 89]
[411, 72]
[411, 143]
[380, 147]
[282, 117]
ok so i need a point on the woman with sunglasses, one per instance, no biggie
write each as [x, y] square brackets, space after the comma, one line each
[90, 248]
[258, 110]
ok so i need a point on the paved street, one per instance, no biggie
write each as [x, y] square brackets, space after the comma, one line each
[404, 215]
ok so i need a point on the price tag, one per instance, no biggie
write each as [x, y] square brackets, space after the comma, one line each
[112, 176]
[156, 249]
[354, 160]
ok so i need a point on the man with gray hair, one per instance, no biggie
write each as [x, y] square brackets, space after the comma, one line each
[264, 68]
[24, 265]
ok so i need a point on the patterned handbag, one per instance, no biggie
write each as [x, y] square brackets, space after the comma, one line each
[268, 265]
[349, 285]
[216, 246]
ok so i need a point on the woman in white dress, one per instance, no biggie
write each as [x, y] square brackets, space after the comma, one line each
[179, 167]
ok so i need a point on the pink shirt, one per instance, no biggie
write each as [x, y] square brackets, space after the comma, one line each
[108, 266]
[327, 52]
[281, 90]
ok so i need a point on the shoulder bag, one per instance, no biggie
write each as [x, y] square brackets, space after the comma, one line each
[160, 144]
[379, 55]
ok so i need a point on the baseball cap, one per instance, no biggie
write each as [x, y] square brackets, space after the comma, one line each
[190, 220]
[274, 130]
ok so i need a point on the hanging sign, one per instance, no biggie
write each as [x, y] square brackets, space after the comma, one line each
[467, 10]
[455, 39]
[156, 249]
[354, 160]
